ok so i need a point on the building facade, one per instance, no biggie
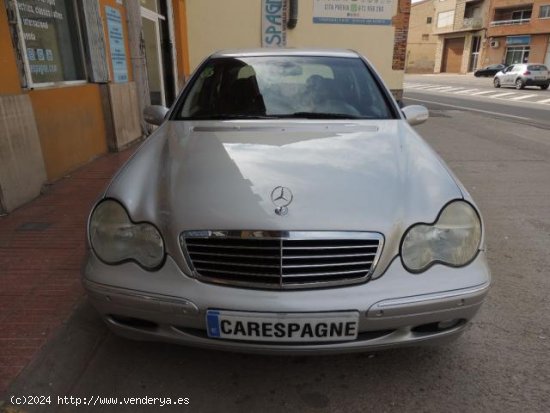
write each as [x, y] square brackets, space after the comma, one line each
[74, 78]
[460, 26]
[75, 75]
[518, 32]
[421, 42]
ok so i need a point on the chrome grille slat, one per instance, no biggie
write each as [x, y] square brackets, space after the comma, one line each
[350, 247]
[282, 260]
[212, 254]
[322, 274]
[341, 264]
[236, 264]
[231, 246]
[297, 257]
[254, 274]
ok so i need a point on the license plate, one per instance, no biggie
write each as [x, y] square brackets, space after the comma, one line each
[282, 327]
[540, 78]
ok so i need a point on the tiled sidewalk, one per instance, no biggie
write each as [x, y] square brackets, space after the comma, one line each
[42, 245]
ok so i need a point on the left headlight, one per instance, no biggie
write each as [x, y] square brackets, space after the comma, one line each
[453, 239]
[115, 238]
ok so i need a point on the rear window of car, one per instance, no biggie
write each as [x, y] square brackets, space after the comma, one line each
[537, 68]
[284, 87]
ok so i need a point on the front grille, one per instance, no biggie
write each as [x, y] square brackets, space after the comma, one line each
[282, 260]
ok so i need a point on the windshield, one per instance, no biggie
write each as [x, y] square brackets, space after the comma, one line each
[285, 87]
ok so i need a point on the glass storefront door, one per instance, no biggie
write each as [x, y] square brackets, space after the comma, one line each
[151, 37]
[160, 74]
[474, 53]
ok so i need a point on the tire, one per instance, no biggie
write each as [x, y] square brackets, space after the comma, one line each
[519, 84]
[544, 87]
[496, 82]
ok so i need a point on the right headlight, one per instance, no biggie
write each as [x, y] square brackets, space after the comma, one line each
[454, 239]
[116, 239]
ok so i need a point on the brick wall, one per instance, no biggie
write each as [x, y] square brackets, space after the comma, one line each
[401, 23]
[466, 53]
[439, 54]
[459, 14]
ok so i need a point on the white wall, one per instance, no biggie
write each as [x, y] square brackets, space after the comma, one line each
[228, 24]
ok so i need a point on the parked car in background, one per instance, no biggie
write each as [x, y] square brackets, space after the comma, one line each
[489, 71]
[523, 74]
[286, 205]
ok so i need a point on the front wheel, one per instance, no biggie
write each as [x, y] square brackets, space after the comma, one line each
[544, 87]
[496, 82]
[519, 84]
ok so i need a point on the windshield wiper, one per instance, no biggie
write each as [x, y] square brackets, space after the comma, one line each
[320, 115]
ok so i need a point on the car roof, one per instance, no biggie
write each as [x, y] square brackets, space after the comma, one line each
[285, 52]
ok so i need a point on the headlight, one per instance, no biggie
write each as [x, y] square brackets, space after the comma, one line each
[453, 239]
[115, 238]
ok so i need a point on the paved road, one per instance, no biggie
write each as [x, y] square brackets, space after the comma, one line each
[530, 105]
[500, 364]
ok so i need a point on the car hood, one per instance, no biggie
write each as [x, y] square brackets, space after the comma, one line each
[346, 176]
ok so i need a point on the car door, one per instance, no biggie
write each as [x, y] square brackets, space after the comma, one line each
[508, 78]
[503, 75]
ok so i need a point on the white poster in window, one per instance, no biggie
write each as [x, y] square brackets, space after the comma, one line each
[274, 23]
[116, 44]
[372, 12]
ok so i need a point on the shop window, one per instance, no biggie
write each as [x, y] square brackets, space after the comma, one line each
[544, 12]
[445, 18]
[517, 54]
[49, 39]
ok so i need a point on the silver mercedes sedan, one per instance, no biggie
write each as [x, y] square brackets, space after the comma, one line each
[286, 205]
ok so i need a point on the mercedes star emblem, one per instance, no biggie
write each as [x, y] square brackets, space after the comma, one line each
[281, 197]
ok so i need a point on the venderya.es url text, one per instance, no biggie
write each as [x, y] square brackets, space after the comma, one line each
[99, 401]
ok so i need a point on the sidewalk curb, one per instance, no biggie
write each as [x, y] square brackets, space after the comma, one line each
[56, 370]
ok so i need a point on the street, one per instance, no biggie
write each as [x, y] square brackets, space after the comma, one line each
[530, 105]
[499, 147]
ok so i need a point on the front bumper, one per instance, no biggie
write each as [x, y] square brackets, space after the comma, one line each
[397, 309]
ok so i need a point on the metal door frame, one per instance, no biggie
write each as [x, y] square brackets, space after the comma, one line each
[155, 18]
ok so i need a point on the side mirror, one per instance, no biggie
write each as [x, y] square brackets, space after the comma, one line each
[155, 114]
[415, 114]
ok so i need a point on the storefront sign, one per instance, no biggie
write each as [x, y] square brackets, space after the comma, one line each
[518, 40]
[116, 44]
[274, 23]
[376, 12]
